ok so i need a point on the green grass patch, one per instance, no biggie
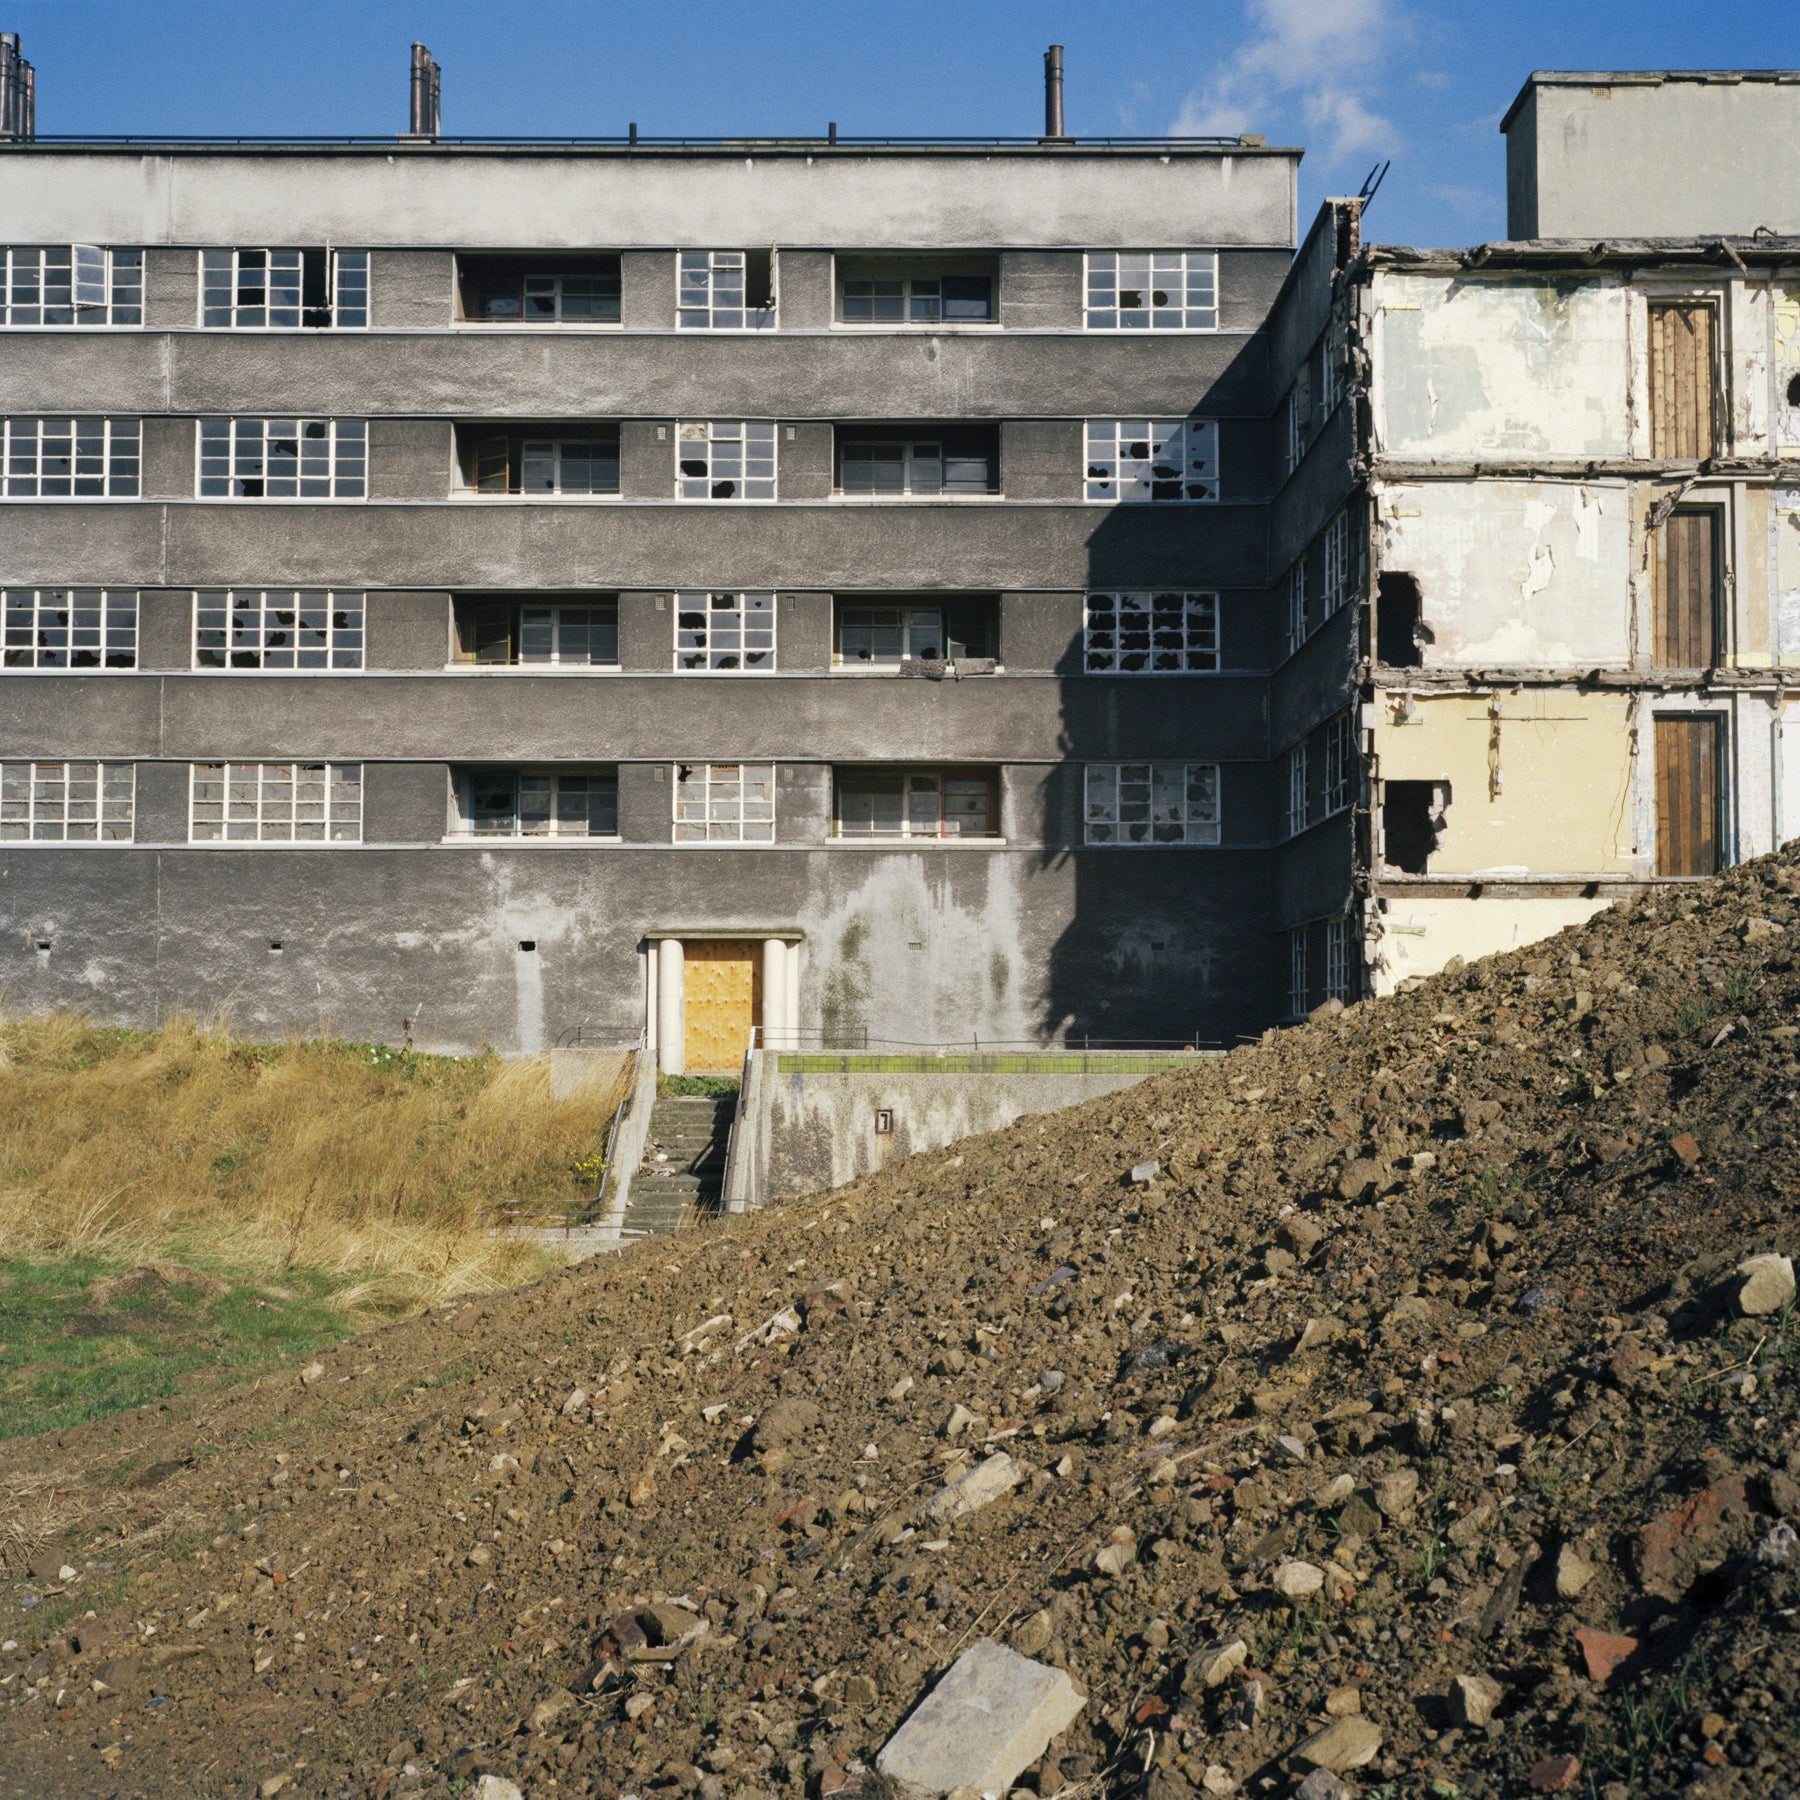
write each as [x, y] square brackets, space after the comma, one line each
[1025, 1062]
[71, 1351]
[709, 1087]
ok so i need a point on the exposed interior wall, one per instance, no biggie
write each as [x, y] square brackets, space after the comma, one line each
[1418, 934]
[1539, 780]
[1514, 573]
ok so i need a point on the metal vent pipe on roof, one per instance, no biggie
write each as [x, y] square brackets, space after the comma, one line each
[18, 91]
[1053, 111]
[426, 109]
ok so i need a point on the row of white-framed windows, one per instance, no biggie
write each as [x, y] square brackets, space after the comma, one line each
[277, 628]
[1137, 460]
[1151, 634]
[1299, 775]
[67, 802]
[725, 290]
[71, 284]
[526, 803]
[725, 631]
[1151, 803]
[284, 459]
[1340, 962]
[1152, 290]
[1299, 982]
[1340, 761]
[52, 459]
[719, 459]
[68, 628]
[725, 803]
[279, 290]
[275, 802]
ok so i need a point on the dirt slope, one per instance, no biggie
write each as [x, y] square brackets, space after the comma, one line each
[1427, 1313]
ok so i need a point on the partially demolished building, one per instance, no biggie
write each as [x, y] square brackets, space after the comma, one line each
[876, 594]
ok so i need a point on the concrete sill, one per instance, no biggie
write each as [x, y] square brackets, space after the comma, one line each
[914, 843]
[915, 499]
[462, 840]
[557, 669]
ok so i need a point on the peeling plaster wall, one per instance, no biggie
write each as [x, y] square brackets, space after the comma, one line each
[1515, 573]
[1501, 366]
[1418, 934]
[1565, 800]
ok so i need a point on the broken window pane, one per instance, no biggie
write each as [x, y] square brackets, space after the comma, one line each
[725, 290]
[1151, 634]
[725, 632]
[272, 803]
[725, 803]
[1152, 290]
[260, 628]
[68, 628]
[279, 290]
[1135, 460]
[67, 802]
[725, 460]
[1151, 803]
[283, 459]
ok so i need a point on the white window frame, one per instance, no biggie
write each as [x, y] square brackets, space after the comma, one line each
[917, 458]
[739, 451]
[1154, 625]
[222, 274]
[1296, 604]
[548, 786]
[1293, 433]
[928, 807]
[1299, 786]
[1340, 983]
[723, 803]
[553, 620]
[243, 628]
[1111, 790]
[1299, 973]
[914, 634]
[1112, 276]
[911, 294]
[541, 454]
[51, 802]
[711, 287]
[1337, 560]
[102, 457]
[1118, 475]
[275, 817]
[1340, 762]
[724, 632]
[236, 451]
[551, 283]
[94, 285]
[39, 626]
[1331, 373]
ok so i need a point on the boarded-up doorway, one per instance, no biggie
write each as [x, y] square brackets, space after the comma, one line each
[1681, 380]
[1687, 796]
[723, 1000]
[1687, 590]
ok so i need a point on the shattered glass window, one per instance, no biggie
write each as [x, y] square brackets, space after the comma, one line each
[284, 459]
[1152, 803]
[725, 632]
[1136, 460]
[1152, 290]
[68, 628]
[725, 460]
[1151, 634]
[278, 628]
[283, 290]
[724, 803]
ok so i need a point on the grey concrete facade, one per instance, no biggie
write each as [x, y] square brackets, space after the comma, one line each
[1029, 933]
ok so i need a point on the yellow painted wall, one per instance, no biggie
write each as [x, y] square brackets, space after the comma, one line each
[1564, 805]
[1418, 936]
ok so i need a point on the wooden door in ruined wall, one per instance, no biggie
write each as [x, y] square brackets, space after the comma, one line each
[723, 1000]
[1681, 380]
[1688, 791]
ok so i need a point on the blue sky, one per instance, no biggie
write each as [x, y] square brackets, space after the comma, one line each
[1351, 80]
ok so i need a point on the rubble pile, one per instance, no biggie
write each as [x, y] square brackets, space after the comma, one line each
[1402, 1405]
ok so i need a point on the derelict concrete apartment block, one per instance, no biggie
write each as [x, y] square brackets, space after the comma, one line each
[524, 591]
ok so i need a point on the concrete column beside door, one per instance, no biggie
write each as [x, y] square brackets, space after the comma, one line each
[671, 1035]
[774, 992]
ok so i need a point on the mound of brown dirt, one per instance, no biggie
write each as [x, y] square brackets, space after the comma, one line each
[1408, 1421]
[154, 1278]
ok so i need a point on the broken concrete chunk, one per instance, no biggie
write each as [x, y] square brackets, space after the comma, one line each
[1765, 1285]
[1144, 1172]
[990, 1717]
[1573, 1572]
[783, 1422]
[1346, 1743]
[1031, 1637]
[1474, 1699]
[1299, 1233]
[1115, 1559]
[1320, 1331]
[575, 1402]
[1395, 1493]
[984, 1484]
[1214, 1664]
[1295, 1580]
[958, 1421]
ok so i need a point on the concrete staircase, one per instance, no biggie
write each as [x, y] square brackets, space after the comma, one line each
[683, 1171]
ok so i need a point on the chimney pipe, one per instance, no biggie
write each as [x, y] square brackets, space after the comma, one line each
[18, 92]
[426, 112]
[1053, 113]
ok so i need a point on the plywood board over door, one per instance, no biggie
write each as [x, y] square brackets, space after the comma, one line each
[1688, 791]
[723, 1000]
[1681, 380]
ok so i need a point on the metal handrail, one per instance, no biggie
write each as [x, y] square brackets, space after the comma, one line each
[612, 1131]
[620, 141]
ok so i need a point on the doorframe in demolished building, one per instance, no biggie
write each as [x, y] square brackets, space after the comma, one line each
[665, 986]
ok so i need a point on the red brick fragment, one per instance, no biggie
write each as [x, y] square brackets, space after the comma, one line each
[1604, 1651]
[1684, 1149]
[1555, 1774]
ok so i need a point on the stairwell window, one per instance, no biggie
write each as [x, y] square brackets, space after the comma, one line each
[1296, 605]
[1339, 561]
[277, 628]
[1151, 634]
[916, 803]
[69, 459]
[1152, 290]
[719, 632]
[67, 802]
[280, 290]
[275, 802]
[724, 803]
[1152, 803]
[1299, 975]
[1341, 967]
[726, 290]
[1152, 460]
[1340, 762]
[284, 459]
[68, 628]
[725, 460]
[524, 803]
[71, 284]
[1299, 789]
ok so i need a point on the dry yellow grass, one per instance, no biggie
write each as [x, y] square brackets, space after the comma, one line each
[374, 1168]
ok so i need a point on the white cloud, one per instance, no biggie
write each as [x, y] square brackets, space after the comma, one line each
[1326, 57]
